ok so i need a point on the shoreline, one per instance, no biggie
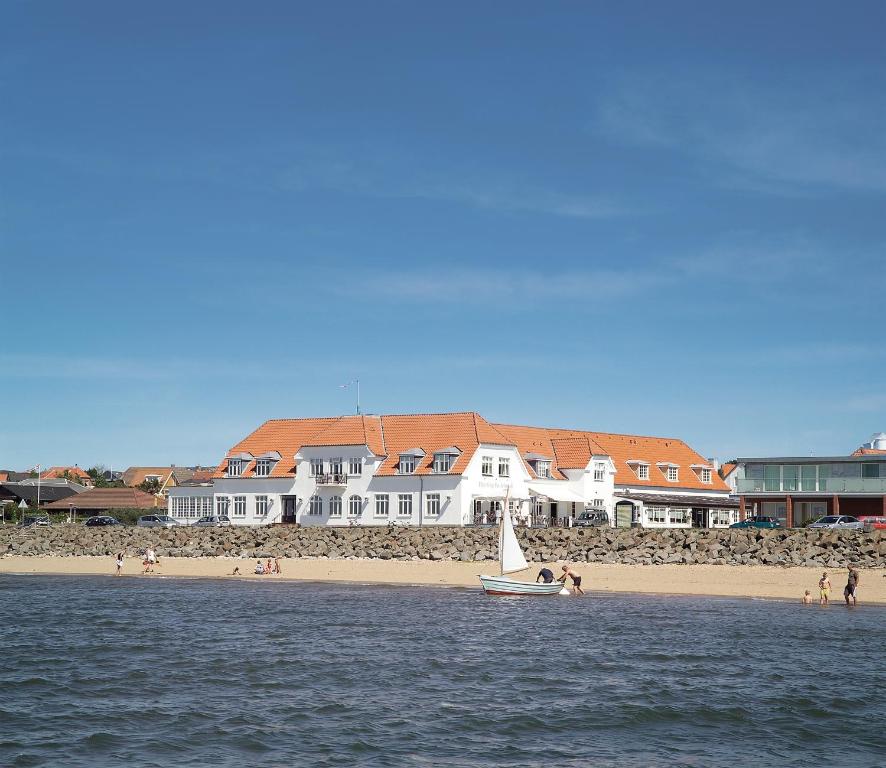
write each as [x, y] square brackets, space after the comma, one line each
[748, 581]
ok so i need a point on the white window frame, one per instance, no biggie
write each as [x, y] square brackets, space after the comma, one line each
[657, 514]
[706, 475]
[404, 505]
[355, 466]
[642, 471]
[335, 506]
[262, 505]
[316, 466]
[543, 468]
[486, 466]
[263, 467]
[315, 506]
[223, 505]
[336, 466]
[406, 465]
[720, 517]
[599, 471]
[355, 501]
[443, 463]
[679, 515]
[673, 474]
[382, 505]
[235, 467]
[432, 505]
[239, 507]
[504, 466]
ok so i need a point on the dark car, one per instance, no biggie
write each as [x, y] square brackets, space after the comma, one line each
[102, 520]
[591, 519]
[757, 521]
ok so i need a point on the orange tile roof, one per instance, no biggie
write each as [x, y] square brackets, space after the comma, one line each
[109, 498]
[868, 452]
[433, 432]
[726, 469]
[623, 448]
[283, 435]
[388, 436]
[137, 475]
[60, 472]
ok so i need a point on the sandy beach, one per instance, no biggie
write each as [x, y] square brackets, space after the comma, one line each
[734, 581]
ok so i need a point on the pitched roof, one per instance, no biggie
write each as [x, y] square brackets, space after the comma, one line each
[74, 472]
[727, 469]
[137, 475]
[109, 498]
[624, 448]
[868, 452]
[568, 449]
[385, 436]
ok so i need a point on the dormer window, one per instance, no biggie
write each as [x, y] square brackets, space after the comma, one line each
[670, 470]
[543, 468]
[407, 464]
[235, 467]
[263, 467]
[703, 472]
[445, 459]
[641, 468]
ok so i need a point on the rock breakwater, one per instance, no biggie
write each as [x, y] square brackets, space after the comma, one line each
[810, 548]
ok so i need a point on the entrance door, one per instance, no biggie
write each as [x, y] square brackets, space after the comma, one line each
[698, 518]
[289, 505]
[624, 514]
[553, 513]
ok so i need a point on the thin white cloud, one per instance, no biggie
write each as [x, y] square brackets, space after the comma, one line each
[764, 139]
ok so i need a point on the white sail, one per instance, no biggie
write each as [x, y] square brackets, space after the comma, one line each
[510, 554]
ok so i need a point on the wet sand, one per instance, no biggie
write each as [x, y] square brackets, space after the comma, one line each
[724, 580]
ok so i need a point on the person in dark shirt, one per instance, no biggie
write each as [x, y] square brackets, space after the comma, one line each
[546, 574]
[851, 586]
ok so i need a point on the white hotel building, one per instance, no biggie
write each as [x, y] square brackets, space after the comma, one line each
[453, 469]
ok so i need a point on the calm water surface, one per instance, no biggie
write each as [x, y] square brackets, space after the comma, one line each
[160, 672]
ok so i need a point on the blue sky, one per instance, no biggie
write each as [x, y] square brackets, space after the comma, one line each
[657, 218]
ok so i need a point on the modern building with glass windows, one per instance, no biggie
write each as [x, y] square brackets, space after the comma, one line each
[798, 489]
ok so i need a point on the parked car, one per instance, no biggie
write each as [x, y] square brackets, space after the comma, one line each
[843, 522]
[757, 521]
[156, 521]
[591, 519]
[102, 520]
[30, 520]
[872, 522]
[211, 520]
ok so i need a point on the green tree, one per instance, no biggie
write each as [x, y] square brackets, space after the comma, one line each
[150, 485]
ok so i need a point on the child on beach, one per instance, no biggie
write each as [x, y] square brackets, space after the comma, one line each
[807, 598]
[824, 589]
[269, 568]
[119, 563]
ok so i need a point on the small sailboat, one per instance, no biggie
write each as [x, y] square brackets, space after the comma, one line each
[512, 559]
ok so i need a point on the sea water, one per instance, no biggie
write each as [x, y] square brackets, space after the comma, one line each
[161, 672]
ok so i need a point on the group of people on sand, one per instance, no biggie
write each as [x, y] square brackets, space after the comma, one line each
[850, 591]
[546, 575]
[149, 562]
[272, 566]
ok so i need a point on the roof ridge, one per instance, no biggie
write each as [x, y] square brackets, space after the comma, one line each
[590, 432]
[381, 427]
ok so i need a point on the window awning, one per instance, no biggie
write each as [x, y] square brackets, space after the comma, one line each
[557, 494]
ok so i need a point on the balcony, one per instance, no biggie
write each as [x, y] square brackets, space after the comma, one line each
[331, 478]
[829, 485]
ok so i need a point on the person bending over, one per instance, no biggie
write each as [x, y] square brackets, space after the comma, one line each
[546, 575]
[568, 573]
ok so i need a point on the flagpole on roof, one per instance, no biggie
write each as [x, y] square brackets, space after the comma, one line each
[345, 386]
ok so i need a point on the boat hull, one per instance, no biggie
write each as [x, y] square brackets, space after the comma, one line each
[502, 585]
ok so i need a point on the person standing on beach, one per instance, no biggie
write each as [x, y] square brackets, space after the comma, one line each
[824, 589]
[546, 575]
[851, 586]
[277, 568]
[568, 573]
[119, 563]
